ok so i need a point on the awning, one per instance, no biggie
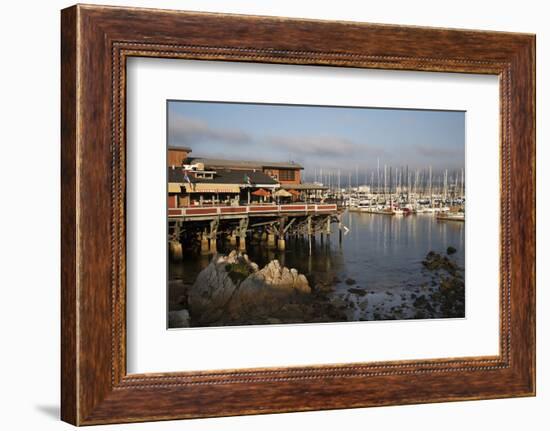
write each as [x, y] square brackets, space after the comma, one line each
[174, 188]
[267, 186]
[211, 188]
[261, 192]
[282, 194]
[294, 192]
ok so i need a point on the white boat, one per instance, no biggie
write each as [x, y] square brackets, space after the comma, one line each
[450, 216]
[360, 206]
[426, 210]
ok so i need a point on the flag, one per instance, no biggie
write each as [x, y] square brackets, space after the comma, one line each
[188, 180]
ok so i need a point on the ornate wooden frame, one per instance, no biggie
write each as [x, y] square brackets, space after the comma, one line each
[95, 42]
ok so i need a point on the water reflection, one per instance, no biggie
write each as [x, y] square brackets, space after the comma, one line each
[379, 253]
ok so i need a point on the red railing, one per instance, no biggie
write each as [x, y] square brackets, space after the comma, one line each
[249, 209]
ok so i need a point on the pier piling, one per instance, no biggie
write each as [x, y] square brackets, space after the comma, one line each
[213, 235]
[205, 246]
[242, 243]
[243, 226]
[271, 240]
[175, 247]
[281, 240]
[176, 251]
[309, 233]
[213, 245]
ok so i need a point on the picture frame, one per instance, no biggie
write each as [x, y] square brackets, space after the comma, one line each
[96, 42]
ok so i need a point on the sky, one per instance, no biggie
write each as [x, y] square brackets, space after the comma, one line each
[317, 137]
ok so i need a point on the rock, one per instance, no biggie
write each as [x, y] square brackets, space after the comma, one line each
[178, 319]
[420, 301]
[363, 304]
[357, 291]
[350, 281]
[231, 290]
[435, 261]
[323, 287]
[419, 315]
[446, 294]
[275, 275]
[339, 302]
[212, 290]
[290, 311]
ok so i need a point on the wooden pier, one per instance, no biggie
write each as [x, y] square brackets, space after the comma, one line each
[203, 226]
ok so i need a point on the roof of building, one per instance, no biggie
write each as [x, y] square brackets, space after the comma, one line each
[178, 148]
[304, 186]
[224, 177]
[244, 164]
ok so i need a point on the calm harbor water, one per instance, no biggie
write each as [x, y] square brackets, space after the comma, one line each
[382, 254]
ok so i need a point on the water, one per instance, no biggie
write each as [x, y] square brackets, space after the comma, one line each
[382, 254]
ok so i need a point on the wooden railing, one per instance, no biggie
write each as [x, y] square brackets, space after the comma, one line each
[199, 211]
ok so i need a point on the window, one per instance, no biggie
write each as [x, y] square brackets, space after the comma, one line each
[206, 175]
[286, 175]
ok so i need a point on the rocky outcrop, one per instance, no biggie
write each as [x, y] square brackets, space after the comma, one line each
[233, 290]
[435, 261]
[280, 277]
[448, 298]
[178, 319]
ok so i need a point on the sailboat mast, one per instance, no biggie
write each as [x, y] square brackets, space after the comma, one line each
[430, 187]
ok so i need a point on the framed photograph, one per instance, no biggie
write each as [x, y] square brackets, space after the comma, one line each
[264, 215]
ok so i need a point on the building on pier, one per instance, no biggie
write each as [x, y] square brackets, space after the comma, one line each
[220, 187]
[213, 198]
[199, 181]
[282, 172]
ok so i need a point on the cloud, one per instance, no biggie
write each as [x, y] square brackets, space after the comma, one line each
[187, 131]
[325, 146]
[438, 152]
[309, 145]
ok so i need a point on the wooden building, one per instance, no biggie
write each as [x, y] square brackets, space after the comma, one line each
[223, 187]
[177, 155]
[206, 181]
[282, 172]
